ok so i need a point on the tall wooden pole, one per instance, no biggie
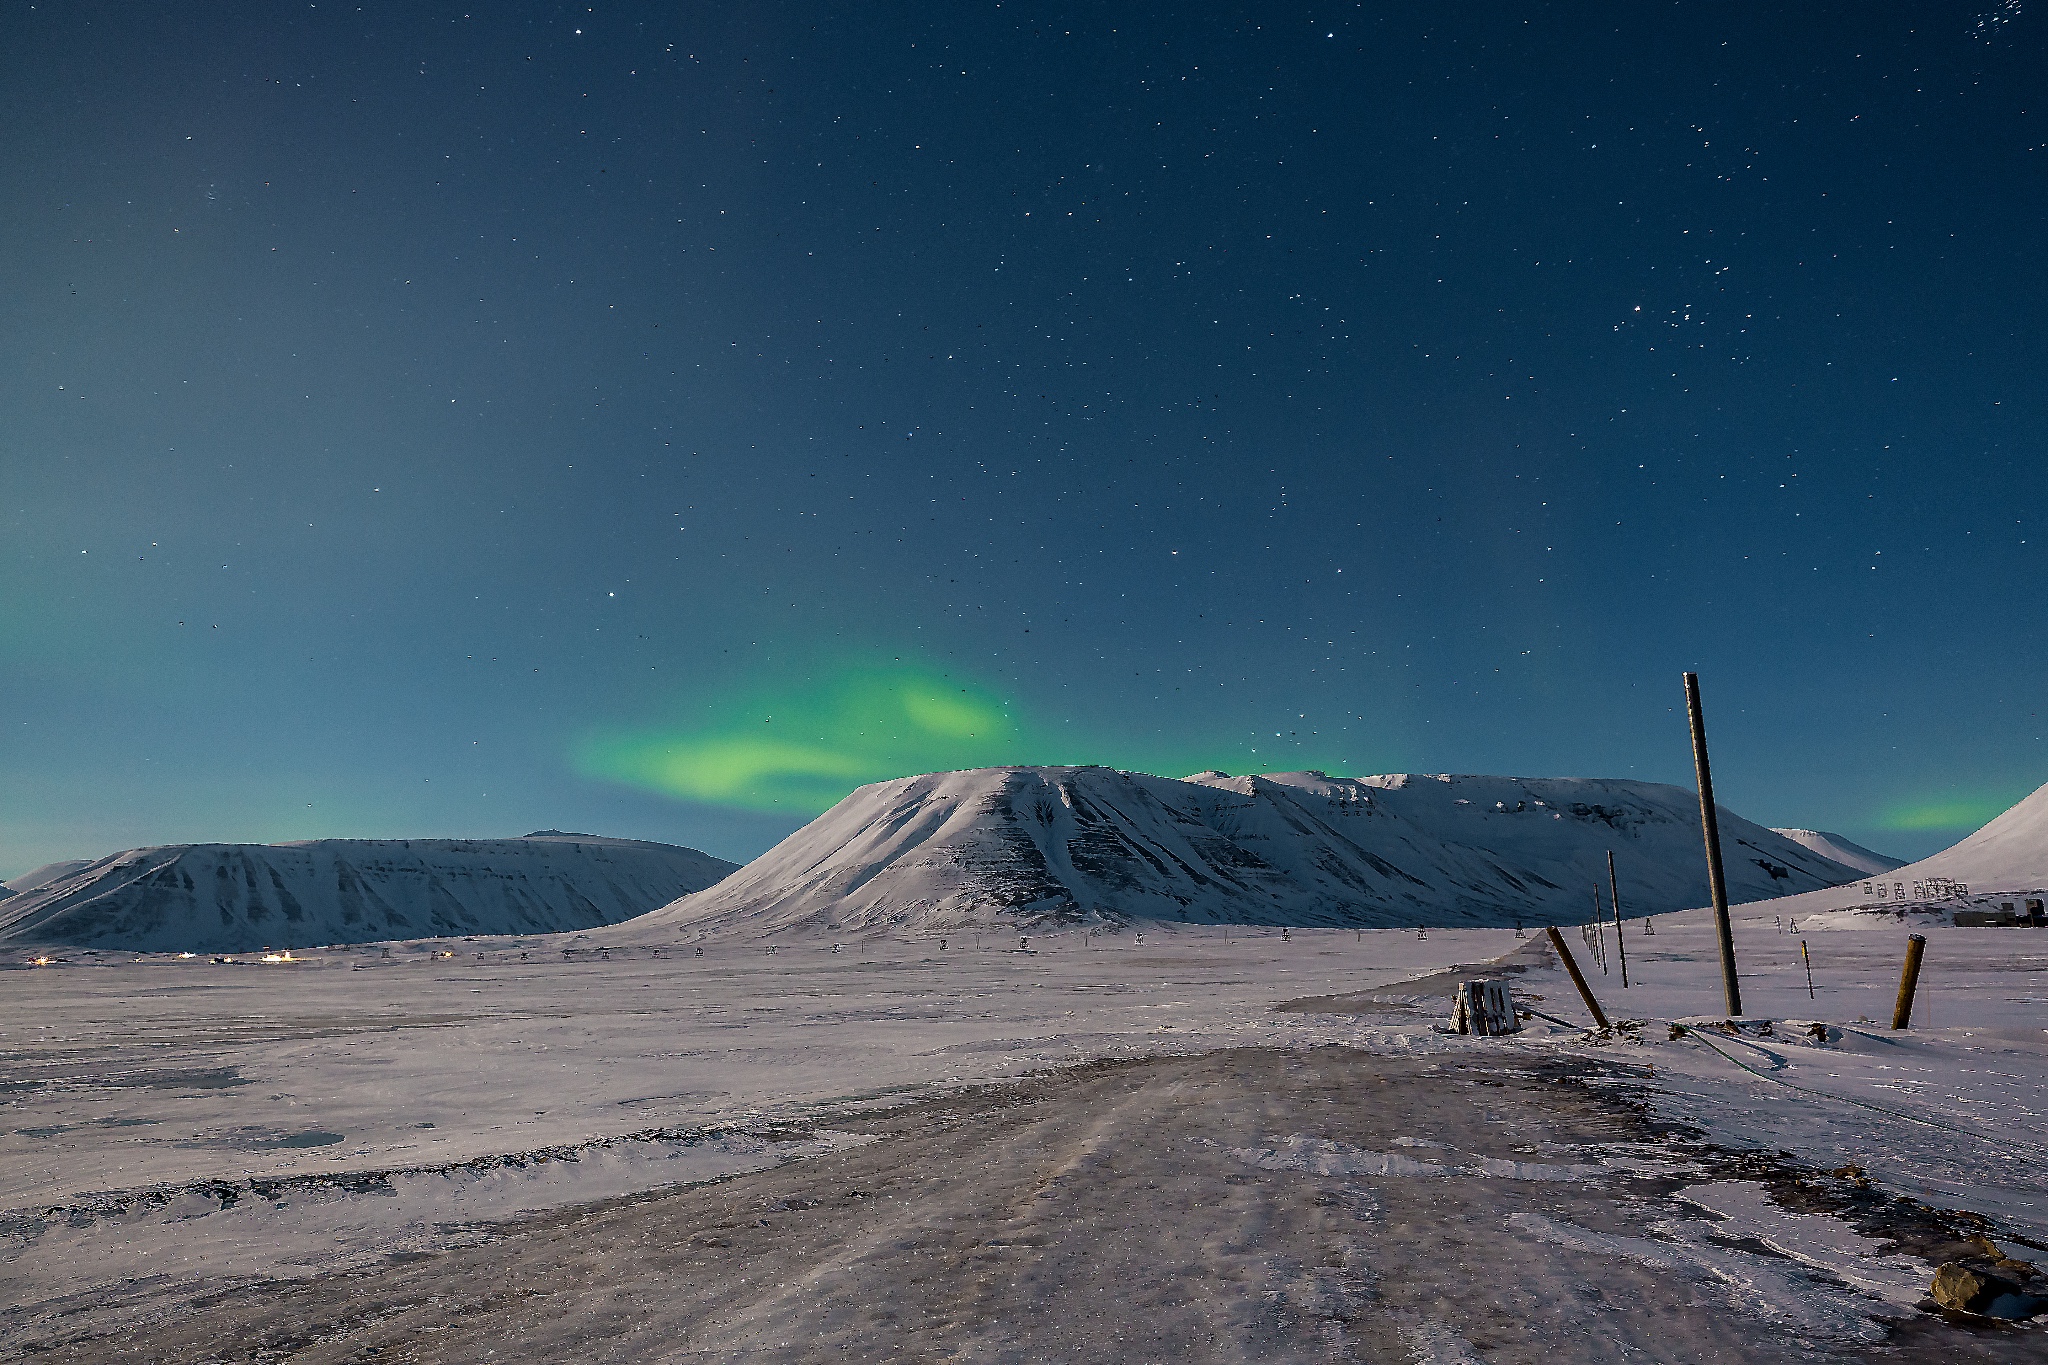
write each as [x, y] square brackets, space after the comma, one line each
[1614, 897]
[1710, 826]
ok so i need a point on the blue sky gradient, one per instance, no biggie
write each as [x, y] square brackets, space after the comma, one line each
[405, 405]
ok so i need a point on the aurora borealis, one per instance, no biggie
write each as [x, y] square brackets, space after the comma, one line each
[658, 421]
[801, 752]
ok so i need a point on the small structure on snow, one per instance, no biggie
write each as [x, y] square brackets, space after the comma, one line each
[1485, 1008]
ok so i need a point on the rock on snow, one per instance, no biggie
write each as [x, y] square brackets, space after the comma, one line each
[238, 897]
[1025, 846]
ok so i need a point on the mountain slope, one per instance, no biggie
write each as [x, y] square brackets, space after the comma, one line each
[1027, 846]
[238, 897]
[2009, 854]
[1843, 851]
[43, 876]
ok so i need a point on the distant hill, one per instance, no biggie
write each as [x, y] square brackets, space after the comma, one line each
[1045, 846]
[43, 876]
[1851, 855]
[239, 897]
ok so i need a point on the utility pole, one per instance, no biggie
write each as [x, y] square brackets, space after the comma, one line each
[1614, 897]
[1710, 827]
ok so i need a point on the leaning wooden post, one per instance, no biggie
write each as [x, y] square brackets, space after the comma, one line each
[1710, 826]
[1902, 1013]
[1586, 992]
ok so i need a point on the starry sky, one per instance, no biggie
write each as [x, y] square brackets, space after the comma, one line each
[657, 420]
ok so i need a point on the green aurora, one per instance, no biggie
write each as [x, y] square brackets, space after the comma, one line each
[1949, 812]
[802, 749]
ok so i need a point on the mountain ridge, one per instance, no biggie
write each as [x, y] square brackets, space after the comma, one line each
[239, 897]
[1843, 850]
[1031, 847]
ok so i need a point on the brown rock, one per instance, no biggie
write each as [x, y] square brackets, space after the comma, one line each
[1964, 1288]
[1982, 1285]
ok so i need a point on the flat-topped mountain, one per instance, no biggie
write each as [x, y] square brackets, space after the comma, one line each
[1032, 846]
[239, 897]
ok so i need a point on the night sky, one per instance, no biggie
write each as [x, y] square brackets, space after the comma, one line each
[658, 420]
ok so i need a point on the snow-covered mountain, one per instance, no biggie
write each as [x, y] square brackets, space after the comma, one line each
[1843, 851]
[1028, 846]
[43, 876]
[238, 897]
[2009, 854]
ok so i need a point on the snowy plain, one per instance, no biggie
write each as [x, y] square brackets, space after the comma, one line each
[176, 1126]
[179, 1129]
[142, 1091]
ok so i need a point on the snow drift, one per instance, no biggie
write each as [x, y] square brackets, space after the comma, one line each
[238, 897]
[1043, 846]
[1848, 854]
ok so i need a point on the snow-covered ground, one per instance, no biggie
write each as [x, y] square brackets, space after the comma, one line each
[178, 1123]
[126, 1071]
[1953, 1110]
[140, 1092]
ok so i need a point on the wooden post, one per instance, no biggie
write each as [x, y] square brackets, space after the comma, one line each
[1585, 992]
[1902, 1013]
[1809, 968]
[1614, 895]
[1620, 947]
[1710, 826]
